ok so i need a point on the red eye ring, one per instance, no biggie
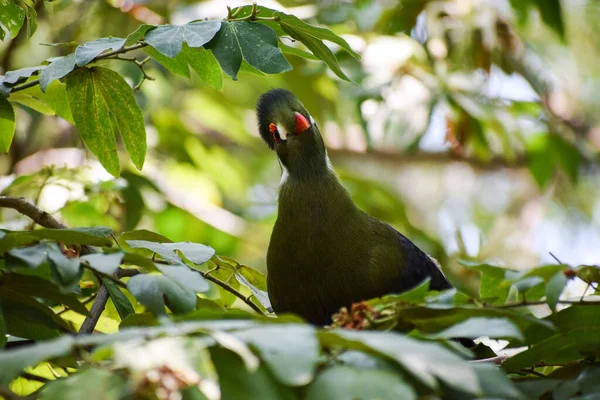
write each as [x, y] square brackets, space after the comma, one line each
[275, 133]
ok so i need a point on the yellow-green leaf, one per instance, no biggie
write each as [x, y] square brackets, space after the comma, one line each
[94, 92]
[7, 125]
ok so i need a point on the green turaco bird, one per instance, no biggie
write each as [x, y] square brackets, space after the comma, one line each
[325, 252]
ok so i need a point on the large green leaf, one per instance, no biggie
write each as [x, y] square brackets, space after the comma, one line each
[93, 93]
[290, 351]
[414, 356]
[554, 289]
[252, 42]
[12, 17]
[57, 69]
[153, 290]
[237, 382]
[168, 39]
[341, 382]
[7, 125]
[86, 53]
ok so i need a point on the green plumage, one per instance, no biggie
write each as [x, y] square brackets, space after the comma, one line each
[325, 252]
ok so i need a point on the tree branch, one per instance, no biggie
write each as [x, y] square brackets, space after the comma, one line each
[24, 207]
[494, 360]
[98, 58]
[425, 157]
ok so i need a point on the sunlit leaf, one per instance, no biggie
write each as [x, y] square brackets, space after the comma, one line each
[7, 125]
[106, 263]
[93, 93]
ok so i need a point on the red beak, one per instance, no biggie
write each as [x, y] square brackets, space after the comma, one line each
[302, 123]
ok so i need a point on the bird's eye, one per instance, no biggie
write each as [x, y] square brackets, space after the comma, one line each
[275, 133]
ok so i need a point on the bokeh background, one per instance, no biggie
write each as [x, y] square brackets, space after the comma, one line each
[472, 126]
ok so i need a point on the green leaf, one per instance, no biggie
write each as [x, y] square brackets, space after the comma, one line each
[31, 17]
[315, 32]
[138, 34]
[494, 383]
[206, 66]
[107, 386]
[186, 277]
[237, 382]
[195, 252]
[497, 328]
[15, 361]
[318, 48]
[32, 256]
[557, 349]
[546, 151]
[121, 302]
[177, 65]
[54, 98]
[19, 75]
[56, 70]
[414, 295]
[341, 382]
[67, 268]
[279, 345]
[93, 93]
[90, 50]
[296, 51]
[255, 43]
[168, 39]
[28, 318]
[106, 263]
[254, 281]
[12, 17]
[150, 289]
[554, 289]
[96, 236]
[158, 248]
[38, 287]
[7, 125]
[412, 355]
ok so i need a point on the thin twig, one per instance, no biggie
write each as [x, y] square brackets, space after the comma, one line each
[493, 360]
[541, 303]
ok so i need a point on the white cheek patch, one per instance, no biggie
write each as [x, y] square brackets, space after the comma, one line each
[284, 173]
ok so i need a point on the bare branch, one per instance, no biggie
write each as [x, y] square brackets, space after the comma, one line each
[40, 217]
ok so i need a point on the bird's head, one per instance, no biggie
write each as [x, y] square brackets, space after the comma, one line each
[287, 127]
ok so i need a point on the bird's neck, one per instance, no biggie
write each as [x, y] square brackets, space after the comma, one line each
[313, 196]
